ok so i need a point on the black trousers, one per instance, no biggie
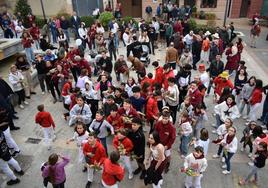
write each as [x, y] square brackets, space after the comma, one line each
[173, 110]
[21, 95]
[52, 88]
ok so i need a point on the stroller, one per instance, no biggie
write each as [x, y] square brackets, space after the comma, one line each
[145, 55]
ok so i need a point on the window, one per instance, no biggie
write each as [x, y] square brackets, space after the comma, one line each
[208, 4]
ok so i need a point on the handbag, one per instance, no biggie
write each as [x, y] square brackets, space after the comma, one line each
[97, 130]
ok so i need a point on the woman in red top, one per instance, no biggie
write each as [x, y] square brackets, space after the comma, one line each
[35, 33]
[232, 58]
[112, 171]
[26, 42]
[159, 71]
[255, 100]
[124, 145]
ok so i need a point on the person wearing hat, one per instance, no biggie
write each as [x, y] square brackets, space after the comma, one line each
[205, 49]
[82, 34]
[204, 77]
[215, 68]
[221, 82]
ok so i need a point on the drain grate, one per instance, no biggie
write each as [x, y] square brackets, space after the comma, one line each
[33, 140]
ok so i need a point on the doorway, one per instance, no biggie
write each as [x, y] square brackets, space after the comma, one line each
[131, 8]
[191, 3]
[244, 8]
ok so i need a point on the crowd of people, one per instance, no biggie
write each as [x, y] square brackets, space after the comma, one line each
[170, 100]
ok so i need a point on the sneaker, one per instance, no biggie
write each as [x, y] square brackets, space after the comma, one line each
[43, 92]
[13, 182]
[137, 171]
[250, 164]
[25, 102]
[49, 148]
[226, 172]
[33, 93]
[21, 106]
[213, 125]
[88, 184]
[224, 166]
[14, 128]
[242, 149]
[130, 176]
[84, 169]
[242, 182]
[214, 131]
[223, 160]
[21, 173]
[142, 174]
[250, 155]
[245, 117]
[215, 156]
[182, 156]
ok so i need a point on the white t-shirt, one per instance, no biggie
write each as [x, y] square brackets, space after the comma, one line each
[203, 144]
[115, 28]
[205, 79]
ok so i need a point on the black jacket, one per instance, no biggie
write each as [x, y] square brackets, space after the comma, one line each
[136, 48]
[260, 159]
[64, 24]
[5, 89]
[4, 149]
[41, 67]
[138, 140]
[75, 23]
[215, 68]
[105, 64]
[3, 118]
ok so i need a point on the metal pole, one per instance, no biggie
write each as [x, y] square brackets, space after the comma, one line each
[225, 13]
[43, 10]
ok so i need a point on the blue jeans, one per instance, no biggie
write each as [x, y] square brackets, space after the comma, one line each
[184, 144]
[218, 120]
[253, 172]
[54, 35]
[103, 142]
[29, 55]
[228, 159]
[66, 32]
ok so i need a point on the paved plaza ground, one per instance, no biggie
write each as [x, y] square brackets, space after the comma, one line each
[33, 155]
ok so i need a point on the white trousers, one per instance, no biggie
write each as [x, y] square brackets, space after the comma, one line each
[4, 166]
[10, 141]
[253, 111]
[48, 135]
[127, 163]
[193, 181]
[90, 174]
[109, 186]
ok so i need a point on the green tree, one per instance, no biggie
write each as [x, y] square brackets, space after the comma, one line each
[24, 8]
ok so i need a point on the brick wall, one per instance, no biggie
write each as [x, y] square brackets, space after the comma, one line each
[235, 8]
[152, 3]
[254, 7]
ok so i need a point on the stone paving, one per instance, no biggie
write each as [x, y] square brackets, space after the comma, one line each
[33, 155]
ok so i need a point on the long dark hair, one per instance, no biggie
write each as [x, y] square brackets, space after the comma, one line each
[156, 137]
[52, 160]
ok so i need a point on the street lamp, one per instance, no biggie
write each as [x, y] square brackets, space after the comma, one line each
[43, 10]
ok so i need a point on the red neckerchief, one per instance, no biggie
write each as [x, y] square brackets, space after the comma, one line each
[229, 139]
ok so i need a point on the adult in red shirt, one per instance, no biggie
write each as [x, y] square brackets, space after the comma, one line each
[195, 95]
[95, 155]
[159, 72]
[178, 27]
[127, 112]
[152, 111]
[82, 63]
[167, 134]
[35, 33]
[221, 82]
[168, 73]
[112, 171]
